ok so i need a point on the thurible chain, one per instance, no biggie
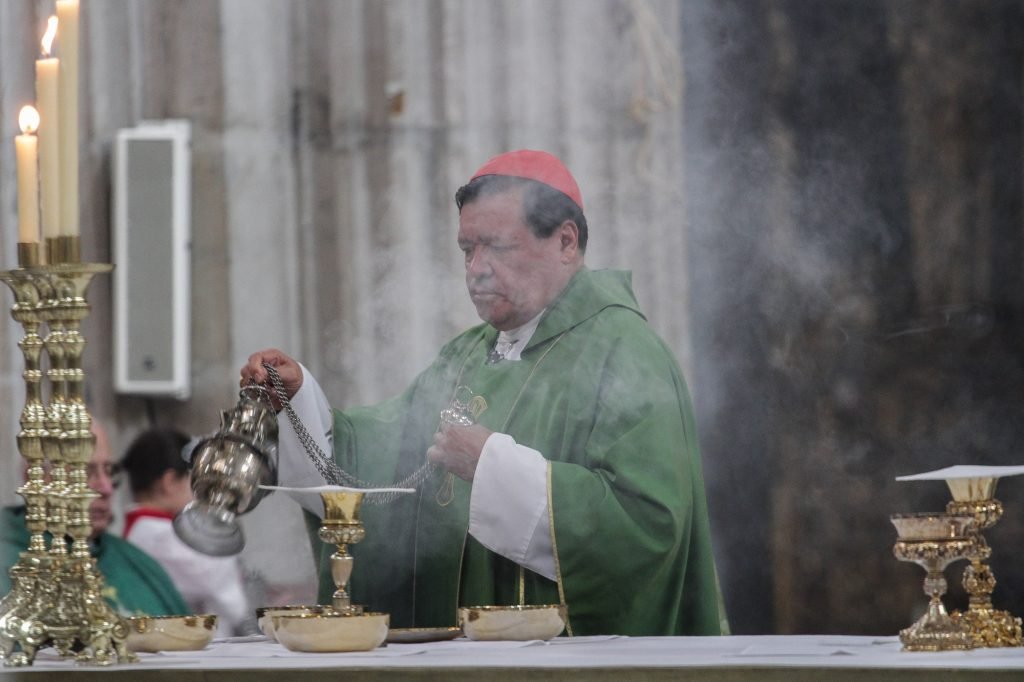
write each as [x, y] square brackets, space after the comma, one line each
[328, 468]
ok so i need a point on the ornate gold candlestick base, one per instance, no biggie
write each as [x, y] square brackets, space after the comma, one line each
[933, 541]
[987, 626]
[56, 596]
[342, 527]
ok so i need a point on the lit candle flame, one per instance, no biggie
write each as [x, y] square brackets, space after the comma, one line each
[51, 32]
[28, 119]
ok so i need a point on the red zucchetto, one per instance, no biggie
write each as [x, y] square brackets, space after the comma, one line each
[534, 165]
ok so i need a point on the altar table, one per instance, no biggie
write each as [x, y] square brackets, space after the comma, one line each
[803, 657]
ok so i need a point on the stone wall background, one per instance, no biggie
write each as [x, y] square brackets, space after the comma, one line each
[820, 203]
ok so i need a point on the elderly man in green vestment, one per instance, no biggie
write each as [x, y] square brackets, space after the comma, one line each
[580, 481]
[134, 583]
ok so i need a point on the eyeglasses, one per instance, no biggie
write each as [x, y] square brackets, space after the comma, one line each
[114, 472]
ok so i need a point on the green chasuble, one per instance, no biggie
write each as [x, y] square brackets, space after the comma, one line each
[602, 398]
[134, 583]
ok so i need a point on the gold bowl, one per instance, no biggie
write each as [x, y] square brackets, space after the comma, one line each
[265, 614]
[170, 633]
[932, 526]
[519, 623]
[330, 632]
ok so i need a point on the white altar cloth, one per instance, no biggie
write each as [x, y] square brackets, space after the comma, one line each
[579, 653]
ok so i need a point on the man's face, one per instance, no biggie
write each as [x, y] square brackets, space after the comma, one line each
[99, 472]
[511, 274]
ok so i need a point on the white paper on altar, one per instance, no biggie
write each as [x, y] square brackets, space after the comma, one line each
[310, 499]
[965, 471]
[832, 647]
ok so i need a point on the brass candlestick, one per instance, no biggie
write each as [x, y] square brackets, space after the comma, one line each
[988, 626]
[342, 527]
[933, 541]
[33, 563]
[56, 596]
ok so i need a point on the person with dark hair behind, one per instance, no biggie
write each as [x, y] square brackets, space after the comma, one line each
[160, 488]
[134, 583]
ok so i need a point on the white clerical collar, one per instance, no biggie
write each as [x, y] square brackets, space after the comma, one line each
[510, 344]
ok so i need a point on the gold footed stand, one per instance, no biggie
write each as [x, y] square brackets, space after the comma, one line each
[933, 541]
[342, 527]
[988, 626]
[55, 598]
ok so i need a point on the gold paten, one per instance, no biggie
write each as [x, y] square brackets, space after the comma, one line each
[988, 626]
[56, 590]
[933, 541]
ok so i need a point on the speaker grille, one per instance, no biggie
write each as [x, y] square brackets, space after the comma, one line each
[152, 292]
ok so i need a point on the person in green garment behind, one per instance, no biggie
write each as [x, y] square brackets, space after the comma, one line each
[134, 583]
[580, 481]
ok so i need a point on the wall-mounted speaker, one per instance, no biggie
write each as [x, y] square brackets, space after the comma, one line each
[152, 237]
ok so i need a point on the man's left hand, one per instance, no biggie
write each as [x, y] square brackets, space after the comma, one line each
[457, 448]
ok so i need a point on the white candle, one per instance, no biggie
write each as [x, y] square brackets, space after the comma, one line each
[25, 147]
[67, 13]
[49, 127]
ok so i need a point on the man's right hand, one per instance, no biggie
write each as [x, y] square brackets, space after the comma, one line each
[287, 368]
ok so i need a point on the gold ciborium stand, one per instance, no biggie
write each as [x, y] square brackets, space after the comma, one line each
[987, 626]
[933, 541]
[55, 598]
[342, 527]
